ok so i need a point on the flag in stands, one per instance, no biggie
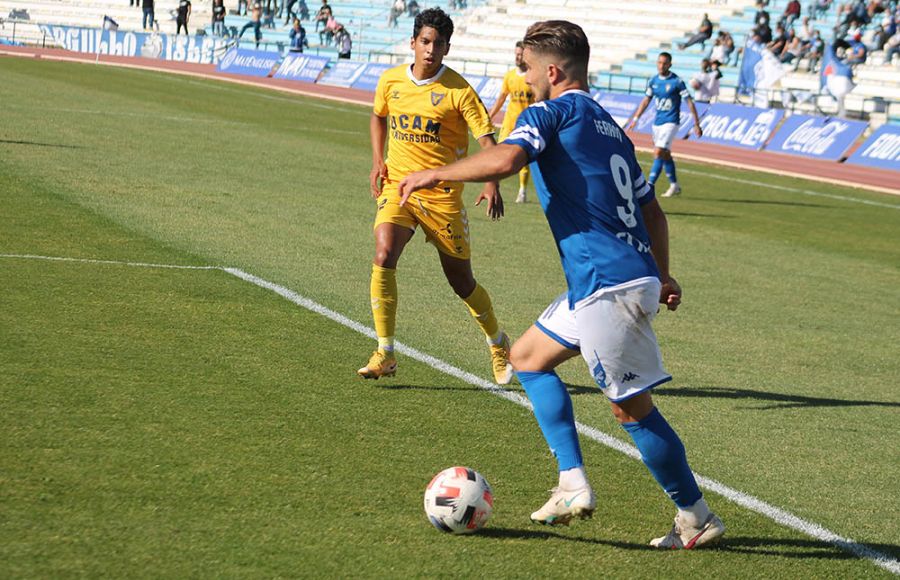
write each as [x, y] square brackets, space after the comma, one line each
[836, 75]
[760, 69]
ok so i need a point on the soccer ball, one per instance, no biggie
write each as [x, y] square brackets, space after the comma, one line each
[458, 500]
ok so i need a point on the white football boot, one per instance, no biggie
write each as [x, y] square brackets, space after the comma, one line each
[673, 190]
[682, 537]
[565, 505]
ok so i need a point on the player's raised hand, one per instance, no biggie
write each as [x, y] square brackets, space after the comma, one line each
[416, 181]
[376, 177]
[491, 193]
[670, 294]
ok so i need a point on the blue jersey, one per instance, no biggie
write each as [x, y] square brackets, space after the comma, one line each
[591, 189]
[667, 94]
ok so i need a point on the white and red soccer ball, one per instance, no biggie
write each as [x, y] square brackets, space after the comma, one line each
[458, 500]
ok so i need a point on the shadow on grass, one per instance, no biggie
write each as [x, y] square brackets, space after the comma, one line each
[783, 547]
[769, 202]
[778, 400]
[407, 387]
[36, 144]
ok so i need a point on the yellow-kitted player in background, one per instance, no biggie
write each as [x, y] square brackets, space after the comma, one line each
[520, 96]
[425, 111]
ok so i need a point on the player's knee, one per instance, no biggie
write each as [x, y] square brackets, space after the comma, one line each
[521, 357]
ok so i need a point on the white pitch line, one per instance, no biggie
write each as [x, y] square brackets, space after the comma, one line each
[749, 502]
[793, 189]
[115, 262]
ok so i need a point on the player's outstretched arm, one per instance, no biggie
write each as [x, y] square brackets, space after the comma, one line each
[491, 164]
[637, 115]
[491, 189]
[698, 130]
[498, 104]
[658, 228]
[378, 134]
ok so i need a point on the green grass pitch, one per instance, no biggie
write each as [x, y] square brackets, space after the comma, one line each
[185, 423]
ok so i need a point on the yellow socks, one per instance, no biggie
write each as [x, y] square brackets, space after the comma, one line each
[383, 291]
[479, 304]
[524, 173]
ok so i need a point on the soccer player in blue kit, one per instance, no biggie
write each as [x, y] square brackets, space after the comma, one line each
[667, 91]
[612, 237]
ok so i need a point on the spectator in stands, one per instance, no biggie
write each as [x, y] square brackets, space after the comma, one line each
[288, 7]
[298, 37]
[815, 51]
[255, 23]
[413, 8]
[704, 33]
[806, 29]
[819, 7]
[343, 42]
[706, 82]
[326, 35]
[857, 52]
[242, 7]
[397, 8]
[723, 48]
[761, 18]
[764, 33]
[218, 18]
[135, 3]
[892, 47]
[149, 16]
[323, 14]
[268, 19]
[793, 51]
[183, 16]
[791, 13]
[879, 37]
[779, 40]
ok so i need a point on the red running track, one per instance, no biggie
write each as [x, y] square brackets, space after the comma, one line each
[814, 169]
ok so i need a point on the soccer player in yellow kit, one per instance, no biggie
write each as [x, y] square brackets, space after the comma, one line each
[520, 97]
[425, 110]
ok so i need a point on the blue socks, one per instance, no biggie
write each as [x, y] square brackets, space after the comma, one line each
[553, 410]
[669, 166]
[654, 171]
[663, 454]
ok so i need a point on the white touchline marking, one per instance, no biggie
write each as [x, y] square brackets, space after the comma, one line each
[793, 189]
[778, 515]
[115, 262]
[744, 500]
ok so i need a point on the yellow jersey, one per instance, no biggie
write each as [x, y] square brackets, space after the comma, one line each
[520, 97]
[428, 121]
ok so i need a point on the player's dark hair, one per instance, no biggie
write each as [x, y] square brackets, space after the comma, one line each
[434, 18]
[666, 55]
[520, 44]
[563, 40]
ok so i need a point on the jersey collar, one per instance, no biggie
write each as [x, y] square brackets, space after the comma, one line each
[423, 82]
[575, 92]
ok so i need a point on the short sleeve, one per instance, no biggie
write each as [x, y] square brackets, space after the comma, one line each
[643, 191]
[380, 107]
[649, 91]
[475, 114]
[683, 90]
[533, 128]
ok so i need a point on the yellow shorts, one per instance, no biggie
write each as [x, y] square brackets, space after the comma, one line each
[442, 216]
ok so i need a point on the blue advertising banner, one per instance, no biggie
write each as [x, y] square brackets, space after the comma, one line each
[620, 107]
[342, 73]
[686, 123]
[476, 81]
[881, 149]
[489, 91]
[368, 78]
[818, 137]
[181, 48]
[242, 61]
[301, 67]
[738, 126]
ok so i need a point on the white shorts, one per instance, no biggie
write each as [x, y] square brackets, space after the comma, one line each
[664, 134]
[612, 329]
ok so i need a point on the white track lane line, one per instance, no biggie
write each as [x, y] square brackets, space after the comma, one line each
[744, 500]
